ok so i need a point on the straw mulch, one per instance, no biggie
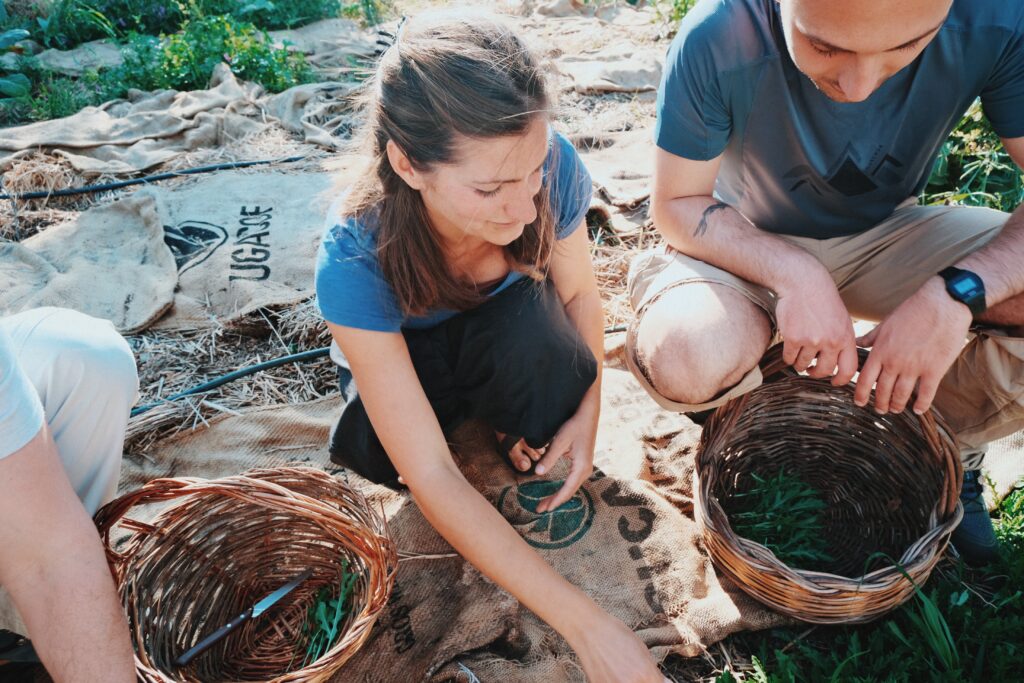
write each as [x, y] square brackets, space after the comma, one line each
[173, 362]
[38, 172]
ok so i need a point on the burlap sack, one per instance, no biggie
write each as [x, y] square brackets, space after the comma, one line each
[94, 55]
[333, 46]
[617, 68]
[128, 136]
[242, 241]
[111, 262]
[628, 541]
[321, 112]
[620, 165]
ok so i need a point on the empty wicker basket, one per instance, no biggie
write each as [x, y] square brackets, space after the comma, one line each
[891, 484]
[220, 546]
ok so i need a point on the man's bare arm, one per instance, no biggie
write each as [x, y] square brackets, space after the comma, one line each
[53, 566]
[1000, 263]
[931, 319]
[810, 314]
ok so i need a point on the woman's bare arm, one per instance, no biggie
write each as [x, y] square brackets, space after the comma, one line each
[408, 429]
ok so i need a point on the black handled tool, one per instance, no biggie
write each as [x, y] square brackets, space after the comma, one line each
[251, 613]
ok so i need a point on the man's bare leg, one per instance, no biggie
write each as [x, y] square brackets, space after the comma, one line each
[699, 339]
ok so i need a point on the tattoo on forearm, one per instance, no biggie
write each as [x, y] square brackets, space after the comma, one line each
[702, 226]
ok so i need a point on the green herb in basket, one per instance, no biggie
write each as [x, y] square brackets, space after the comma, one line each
[781, 513]
[326, 615]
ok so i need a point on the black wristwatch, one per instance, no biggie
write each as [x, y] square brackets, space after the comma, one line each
[966, 287]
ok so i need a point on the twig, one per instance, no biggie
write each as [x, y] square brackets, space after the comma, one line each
[402, 556]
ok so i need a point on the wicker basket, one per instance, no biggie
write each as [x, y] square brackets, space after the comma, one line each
[224, 544]
[891, 484]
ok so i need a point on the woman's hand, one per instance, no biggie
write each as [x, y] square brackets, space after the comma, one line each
[611, 653]
[575, 441]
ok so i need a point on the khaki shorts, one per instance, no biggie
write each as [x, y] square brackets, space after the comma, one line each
[874, 271]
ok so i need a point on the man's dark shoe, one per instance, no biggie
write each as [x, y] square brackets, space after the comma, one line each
[975, 539]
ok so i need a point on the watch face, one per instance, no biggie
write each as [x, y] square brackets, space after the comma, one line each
[964, 285]
[969, 289]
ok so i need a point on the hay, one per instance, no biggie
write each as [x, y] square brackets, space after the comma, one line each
[170, 363]
[17, 224]
[38, 172]
[272, 142]
[611, 253]
[41, 172]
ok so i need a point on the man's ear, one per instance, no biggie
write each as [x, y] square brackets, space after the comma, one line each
[403, 167]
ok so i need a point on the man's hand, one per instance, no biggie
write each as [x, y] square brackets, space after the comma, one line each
[575, 440]
[914, 346]
[816, 327]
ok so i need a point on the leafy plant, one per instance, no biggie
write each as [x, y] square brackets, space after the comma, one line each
[370, 12]
[13, 85]
[673, 10]
[57, 97]
[185, 61]
[965, 625]
[326, 616]
[783, 514]
[973, 169]
[72, 22]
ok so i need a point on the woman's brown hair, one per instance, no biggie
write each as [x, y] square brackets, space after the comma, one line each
[445, 76]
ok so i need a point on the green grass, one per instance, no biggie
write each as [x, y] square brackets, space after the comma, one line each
[973, 169]
[781, 513]
[965, 625]
[326, 616]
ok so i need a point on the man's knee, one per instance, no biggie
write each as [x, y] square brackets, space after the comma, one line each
[698, 340]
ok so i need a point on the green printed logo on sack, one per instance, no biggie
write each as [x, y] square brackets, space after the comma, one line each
[559, 528]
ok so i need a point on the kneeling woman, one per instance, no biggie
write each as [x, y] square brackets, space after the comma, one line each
[456, 280]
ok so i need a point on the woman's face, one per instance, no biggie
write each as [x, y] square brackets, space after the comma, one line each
[487, 194]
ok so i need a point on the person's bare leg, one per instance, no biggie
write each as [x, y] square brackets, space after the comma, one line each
[699, 339]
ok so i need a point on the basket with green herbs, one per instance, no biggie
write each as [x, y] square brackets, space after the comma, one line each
[821, 509]
[298, 554]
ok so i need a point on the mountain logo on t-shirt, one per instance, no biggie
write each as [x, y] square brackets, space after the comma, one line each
[846, 177]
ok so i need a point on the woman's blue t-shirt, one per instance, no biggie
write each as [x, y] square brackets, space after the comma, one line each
[351, 289]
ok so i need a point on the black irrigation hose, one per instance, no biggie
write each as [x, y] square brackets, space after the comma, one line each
[148, 179]
[266, 365]
[231, 376]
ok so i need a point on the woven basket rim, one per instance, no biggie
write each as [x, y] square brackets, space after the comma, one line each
[812, 595]
[252, 487]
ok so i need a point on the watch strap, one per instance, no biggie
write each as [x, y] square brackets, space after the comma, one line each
[976, 304]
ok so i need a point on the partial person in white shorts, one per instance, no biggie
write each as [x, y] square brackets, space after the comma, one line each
[67, 384]
[790, 135]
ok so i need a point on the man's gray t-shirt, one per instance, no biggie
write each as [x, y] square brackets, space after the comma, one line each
[797, 163]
